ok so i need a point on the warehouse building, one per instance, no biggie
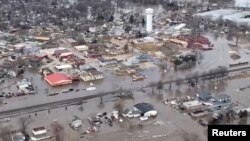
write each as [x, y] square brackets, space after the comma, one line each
[58, 79]
[146, 109]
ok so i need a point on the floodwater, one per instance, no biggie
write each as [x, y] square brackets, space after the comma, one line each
[211, 59]
[171, 123]
[109, 83]
[175, 122]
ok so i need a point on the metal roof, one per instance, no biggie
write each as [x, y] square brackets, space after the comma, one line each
[144, 107]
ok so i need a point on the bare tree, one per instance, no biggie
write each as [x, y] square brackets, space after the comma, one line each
[119, 107]
[190, 137]
[178, 83]
[46, 91]
[101, 104]
[57, 130]
[152, 85]
[229, 116]
[5, 134]
[126, 48]
[242, 121]
[160, 86]
[24, 123]
[170, 85]
[81, 106]
[243, 115]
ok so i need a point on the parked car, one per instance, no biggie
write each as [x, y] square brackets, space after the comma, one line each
[53, 94]
[91, 88]
[67, 90]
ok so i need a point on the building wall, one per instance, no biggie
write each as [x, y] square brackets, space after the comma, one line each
[150, 113]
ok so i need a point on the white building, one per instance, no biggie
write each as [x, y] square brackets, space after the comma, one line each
[81, 48]
[149, 19]
[191, 105]
[64, 67]
[39, 133]
[91, 75]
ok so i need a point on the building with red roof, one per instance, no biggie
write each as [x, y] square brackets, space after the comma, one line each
[58, 79]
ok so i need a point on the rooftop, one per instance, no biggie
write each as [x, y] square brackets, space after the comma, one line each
[95, 72]
[107, 60]
[57, 79]
[204, 96]
[144, 107]
[38, 129]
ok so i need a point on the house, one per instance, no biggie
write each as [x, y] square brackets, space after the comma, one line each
[69, 42]
[19, 46]
[79, 62]
[85, 77]
[59, 51]
[64, 67]
[146, 109]
[66, 55]
[91, 75]
[18, 137]
[41, 55]
[203, 96]
[81, 48]
[107, 62]
[96, 75]
[191, 105]
[138, 76]
[39, 133]
[57, 79]
[46, 71]
[92, 54]
[41, 39]
[25, 86]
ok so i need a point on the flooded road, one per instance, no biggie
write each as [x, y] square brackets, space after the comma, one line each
[169, 124]
[172, 124]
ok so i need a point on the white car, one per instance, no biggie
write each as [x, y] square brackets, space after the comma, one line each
[76, 124]
[91, 88]
[143, 118]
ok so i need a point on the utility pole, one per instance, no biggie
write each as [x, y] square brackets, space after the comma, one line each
[186, 5]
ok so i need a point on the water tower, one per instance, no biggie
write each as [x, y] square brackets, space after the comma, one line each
[149, 19]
